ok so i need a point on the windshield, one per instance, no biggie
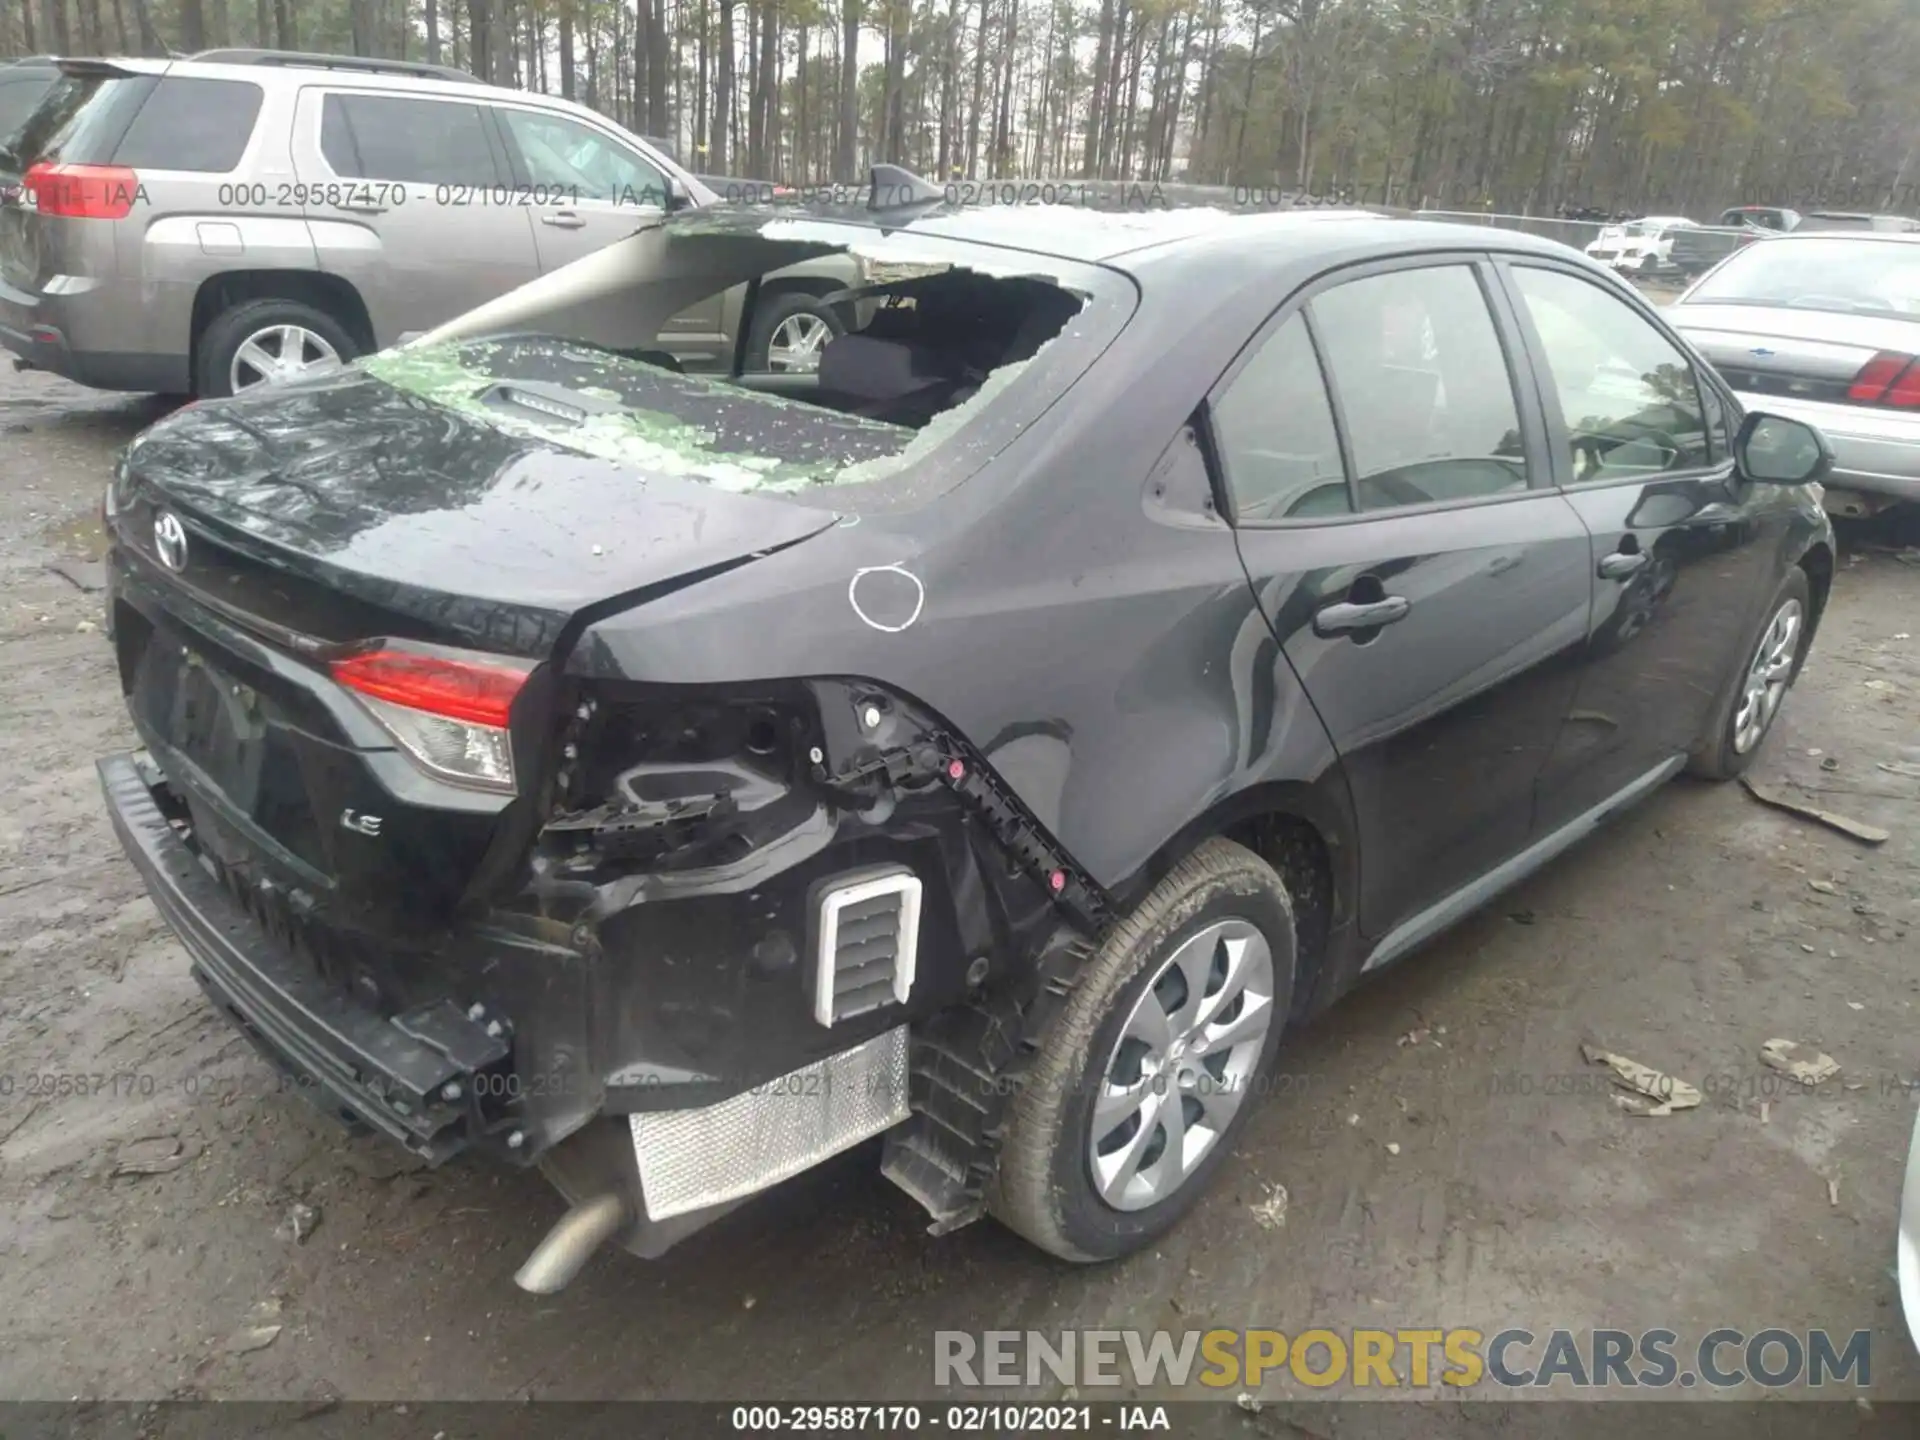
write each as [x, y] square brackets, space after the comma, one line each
[1878, 277]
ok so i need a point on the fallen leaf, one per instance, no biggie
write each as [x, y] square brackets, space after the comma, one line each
[1667, 1093]
[1825, 887]
[1800, 1062]
[258, 1337]
[1393, 1147]
[1413, 1037]
[1833, 1192]
[1271, 1213]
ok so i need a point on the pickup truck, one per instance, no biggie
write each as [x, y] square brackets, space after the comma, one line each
[1698, 250]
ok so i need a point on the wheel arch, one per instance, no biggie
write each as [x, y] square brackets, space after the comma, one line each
[329, 293]
[1306, 831]
[1817, 561]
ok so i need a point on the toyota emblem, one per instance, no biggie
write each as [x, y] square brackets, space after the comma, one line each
[170, 540]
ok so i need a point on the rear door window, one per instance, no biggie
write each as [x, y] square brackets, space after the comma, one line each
[580, 163]
[385, 137]
[201, 125]
[1423, 387]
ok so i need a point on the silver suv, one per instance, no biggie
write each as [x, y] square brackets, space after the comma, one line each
[202, 226]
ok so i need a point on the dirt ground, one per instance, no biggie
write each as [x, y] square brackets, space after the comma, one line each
[144, 1248]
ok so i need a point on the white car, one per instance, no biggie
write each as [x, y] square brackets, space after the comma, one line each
[1639, 247]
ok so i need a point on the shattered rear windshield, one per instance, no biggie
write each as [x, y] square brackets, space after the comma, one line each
[701, 427]
[660, 352]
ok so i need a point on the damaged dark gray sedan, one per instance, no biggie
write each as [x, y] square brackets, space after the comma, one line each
[1137, 628]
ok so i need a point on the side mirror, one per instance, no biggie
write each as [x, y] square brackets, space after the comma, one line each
[678, 196]
[1774, 450]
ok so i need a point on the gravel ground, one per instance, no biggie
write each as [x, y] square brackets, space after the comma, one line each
[1445, 1158]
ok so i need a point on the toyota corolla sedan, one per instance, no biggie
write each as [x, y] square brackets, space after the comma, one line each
[1825, 327]
[998, 739]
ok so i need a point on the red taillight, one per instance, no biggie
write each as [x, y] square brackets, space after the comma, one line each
[1884, 373]
[472, 691]
[82, 192]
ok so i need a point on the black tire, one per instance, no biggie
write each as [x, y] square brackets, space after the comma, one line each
[234, 326]
[1044, 1188]
[1719, 757]
[775, 309]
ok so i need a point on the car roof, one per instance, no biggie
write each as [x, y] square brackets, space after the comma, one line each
[1872, 237]
[1123, 237]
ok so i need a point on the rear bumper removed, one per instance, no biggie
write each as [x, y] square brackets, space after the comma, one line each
[414, 1078]
[565, 1054]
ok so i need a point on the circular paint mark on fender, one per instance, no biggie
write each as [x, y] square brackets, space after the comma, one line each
[887, 597]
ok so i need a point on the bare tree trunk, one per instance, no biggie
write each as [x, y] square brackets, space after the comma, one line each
[500, 42]
[847, 130]
[1096, 99]
[282, 21]
[717, 135]
[360, 27]
[566, 50]
[893, 102]
[479, 37]
[659, 59]
[1003, 122]
[979, 103]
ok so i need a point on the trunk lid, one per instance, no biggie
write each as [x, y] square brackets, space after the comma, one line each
[451, 497]
[1794, 353]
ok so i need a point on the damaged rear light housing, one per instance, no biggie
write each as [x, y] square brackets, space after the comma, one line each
[448, 709]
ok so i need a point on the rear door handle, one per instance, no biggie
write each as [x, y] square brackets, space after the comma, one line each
[1348, 615]
[1622, 563]
[562, 220]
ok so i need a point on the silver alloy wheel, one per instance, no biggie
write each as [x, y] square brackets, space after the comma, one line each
[1767, 677]
[1182, 1065]
[796, 343]
[278, 354]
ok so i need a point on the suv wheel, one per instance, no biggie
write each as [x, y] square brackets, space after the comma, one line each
[789, 333]
[1746, 714]
[1144, 1078]
[269, 342]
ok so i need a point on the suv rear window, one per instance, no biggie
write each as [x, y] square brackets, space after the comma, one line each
[80, 120]
[19, 93]
[201, 125]
[381, 137]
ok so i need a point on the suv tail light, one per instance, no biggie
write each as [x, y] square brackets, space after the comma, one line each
[447, 709]
[1889, 378]
[82, 192]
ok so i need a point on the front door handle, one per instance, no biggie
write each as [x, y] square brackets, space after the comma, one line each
[562, 220]
[364, 209]
[1348, 615]
[1622, 563]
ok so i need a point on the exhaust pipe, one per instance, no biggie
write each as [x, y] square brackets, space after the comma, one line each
[571, 1242]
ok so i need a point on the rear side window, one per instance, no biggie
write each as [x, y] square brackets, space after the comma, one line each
[1277, 441]
[382, 137]
[201, 125]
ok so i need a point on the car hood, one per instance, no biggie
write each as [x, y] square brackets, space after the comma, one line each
[393, 484]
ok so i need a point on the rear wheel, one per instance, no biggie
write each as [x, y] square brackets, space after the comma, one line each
[1746, 714]
[269, 342]
[1147, 1074]
[789, 332]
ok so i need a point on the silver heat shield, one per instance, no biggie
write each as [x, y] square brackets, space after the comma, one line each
[690, 1159]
